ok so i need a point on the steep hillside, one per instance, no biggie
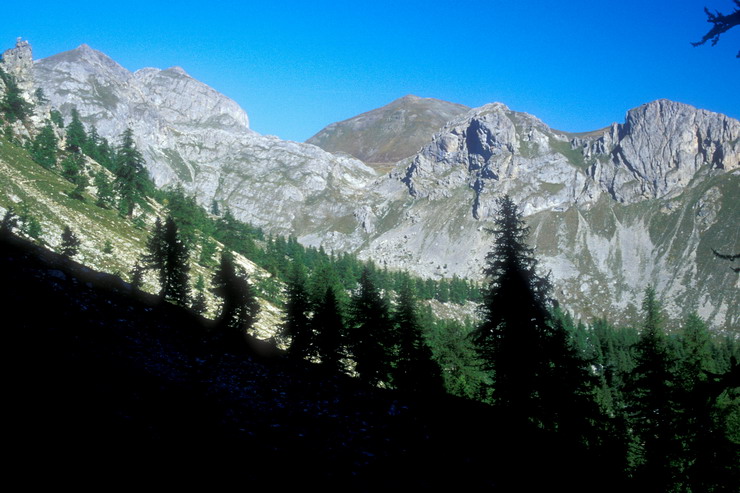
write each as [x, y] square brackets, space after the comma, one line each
[386, 135]
[109, 242]
[108, 383]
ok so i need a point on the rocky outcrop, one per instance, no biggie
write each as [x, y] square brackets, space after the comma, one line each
[386, 135]
[659, 149]
[191, 134]
[18, 62]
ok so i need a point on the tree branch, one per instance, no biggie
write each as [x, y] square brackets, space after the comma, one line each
[722, 23]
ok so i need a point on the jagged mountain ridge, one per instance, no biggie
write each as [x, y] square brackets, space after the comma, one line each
[635, 204]
[386, 135]
[191, 134]
[599, 196]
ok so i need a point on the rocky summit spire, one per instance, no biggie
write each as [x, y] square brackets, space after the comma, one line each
[18, 62]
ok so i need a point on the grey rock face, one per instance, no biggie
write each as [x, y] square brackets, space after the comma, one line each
[191, 134]
[659, 149]
[610, 212]
[18, 62]
[386, 135]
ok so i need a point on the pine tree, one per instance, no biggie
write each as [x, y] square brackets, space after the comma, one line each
[12, 104]
[327, 327]
[176, 265]
[132, 179]
[415, 370]
[296, 324]
[651, 401]
[104, 190]
[76, 137]
[512, 338]
[169, 257]
[44, 147]
[70, 243]
[370, 332]
[9, 222]
[239, 304]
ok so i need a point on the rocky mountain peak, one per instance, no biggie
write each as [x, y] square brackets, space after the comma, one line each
[18, 62]
[660, 147]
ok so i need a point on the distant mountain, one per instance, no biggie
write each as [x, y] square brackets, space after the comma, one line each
[191, 134]
[611, 211]
[383, 136]
[638, 203]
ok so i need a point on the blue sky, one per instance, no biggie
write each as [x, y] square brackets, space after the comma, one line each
[297, 66]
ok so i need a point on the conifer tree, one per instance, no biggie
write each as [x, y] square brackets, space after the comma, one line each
[200, 305]
[297, 324]
[76, 137]
[176, 265]
[56, 118]
[137, 276]
[512, 338]
[70, 243]
[652, 399]
[9, 222]
[72, 167]
[104, 190]
[44, 147]
[239, 304]
[327, 327]
[415, 370]
[12, 104]
[169, 257]
[132, 179]
[370, 332]
[90, 146]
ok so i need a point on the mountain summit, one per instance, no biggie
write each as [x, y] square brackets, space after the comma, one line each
[383, 136]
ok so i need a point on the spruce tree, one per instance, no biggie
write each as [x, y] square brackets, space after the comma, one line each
[370, 332]
[296, 323]
[132, 179]
[176, 265]
[415, 370]
[651, 398]
[70, 243]
[239, 304]
[512, 338]
[327, 327]
[44, 147]
[76, 137]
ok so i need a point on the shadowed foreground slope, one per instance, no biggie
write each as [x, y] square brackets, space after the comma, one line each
[110, 384]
